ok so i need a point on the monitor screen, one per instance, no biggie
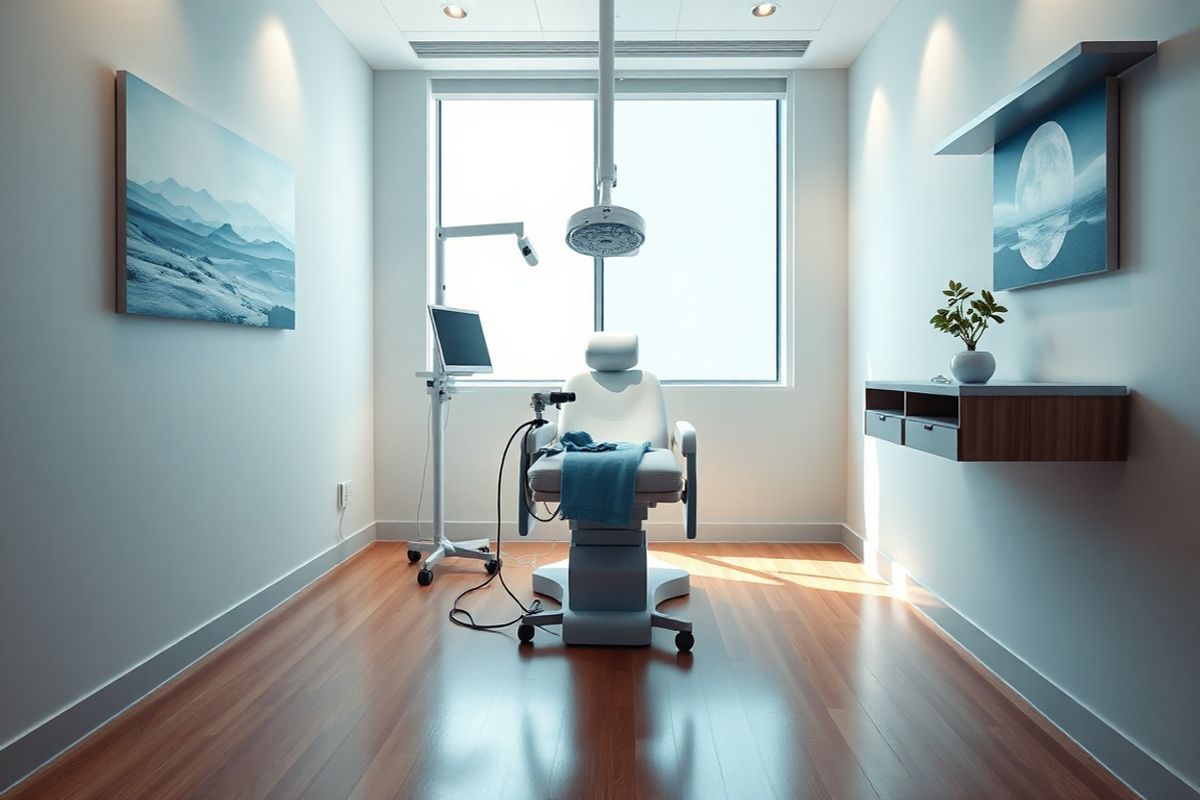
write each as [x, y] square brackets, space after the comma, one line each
[460, 340]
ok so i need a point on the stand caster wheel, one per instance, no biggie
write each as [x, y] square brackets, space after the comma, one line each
[525, 633]
[492, 567]
[414, 556]
[425, 577]
[684, 641]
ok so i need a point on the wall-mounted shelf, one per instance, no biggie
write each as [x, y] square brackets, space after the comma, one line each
[1002, 420]
[1081, 67]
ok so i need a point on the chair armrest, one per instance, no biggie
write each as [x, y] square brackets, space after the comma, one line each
[540, 437]
[536, 440]
[684, 437]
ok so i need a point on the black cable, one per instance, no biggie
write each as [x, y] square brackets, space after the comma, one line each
[536, 605]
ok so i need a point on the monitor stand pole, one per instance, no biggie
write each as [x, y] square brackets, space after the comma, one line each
[439, 386]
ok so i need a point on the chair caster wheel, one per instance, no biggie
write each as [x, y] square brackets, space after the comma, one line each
[492, 567]
[414, 556]
[425, 577]
[684, 641]
[525, 633]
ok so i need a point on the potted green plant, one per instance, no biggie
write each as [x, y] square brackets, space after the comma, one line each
[967, 317]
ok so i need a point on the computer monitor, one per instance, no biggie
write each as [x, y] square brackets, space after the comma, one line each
[460, 341]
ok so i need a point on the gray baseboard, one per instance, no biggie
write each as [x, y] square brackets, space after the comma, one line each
[1132, 765]
[23, 756]
[813, 532]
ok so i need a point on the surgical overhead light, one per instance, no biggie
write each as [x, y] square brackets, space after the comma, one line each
[606, 230]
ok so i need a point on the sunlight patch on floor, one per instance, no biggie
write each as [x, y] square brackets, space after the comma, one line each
[849, 577]
[711, 567]
[830, 584]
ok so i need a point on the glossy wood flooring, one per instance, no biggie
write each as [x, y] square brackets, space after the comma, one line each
[808, 680]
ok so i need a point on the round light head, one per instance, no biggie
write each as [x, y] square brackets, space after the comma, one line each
[606, 231]
[454, 12]
[764, 9]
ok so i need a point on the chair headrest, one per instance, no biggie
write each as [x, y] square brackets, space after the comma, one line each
[612, 352]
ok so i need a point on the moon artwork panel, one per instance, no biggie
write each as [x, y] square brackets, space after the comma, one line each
[205, 219]
[1055, 204]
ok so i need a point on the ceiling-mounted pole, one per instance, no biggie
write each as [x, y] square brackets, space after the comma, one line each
[606, 230]
[608, 170]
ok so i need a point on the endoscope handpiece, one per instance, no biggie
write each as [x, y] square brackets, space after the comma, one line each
[540, 400]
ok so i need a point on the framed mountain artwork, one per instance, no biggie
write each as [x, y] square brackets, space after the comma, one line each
[205, 219]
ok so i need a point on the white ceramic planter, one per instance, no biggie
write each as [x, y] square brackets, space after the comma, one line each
[973, 366]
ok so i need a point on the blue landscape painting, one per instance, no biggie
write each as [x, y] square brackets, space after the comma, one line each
[1053, 204]
[209, 218]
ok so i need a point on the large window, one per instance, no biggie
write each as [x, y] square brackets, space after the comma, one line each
[703, 293]
[520, 161]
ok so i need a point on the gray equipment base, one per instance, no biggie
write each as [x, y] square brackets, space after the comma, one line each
[609, 589]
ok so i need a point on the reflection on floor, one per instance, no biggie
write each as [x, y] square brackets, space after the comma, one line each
[808, 680]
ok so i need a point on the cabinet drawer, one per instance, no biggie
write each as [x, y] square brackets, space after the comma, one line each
[940, 440]
[882, 425]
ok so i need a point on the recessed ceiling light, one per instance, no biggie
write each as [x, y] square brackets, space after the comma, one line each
[764, 9]
[454, 12]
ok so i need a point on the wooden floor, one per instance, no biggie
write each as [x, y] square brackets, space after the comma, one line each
[808, 680]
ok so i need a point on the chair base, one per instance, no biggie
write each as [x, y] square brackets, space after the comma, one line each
[611, 628]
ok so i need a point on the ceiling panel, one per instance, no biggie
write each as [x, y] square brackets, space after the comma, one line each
[381, 29]
[370, 29]
[732, 15]
[489, 15]
[849, 25]
[632, 15]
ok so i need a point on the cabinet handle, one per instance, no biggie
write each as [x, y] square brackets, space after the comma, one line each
[883, 417]
[928, 427]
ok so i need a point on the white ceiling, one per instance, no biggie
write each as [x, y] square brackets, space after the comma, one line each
[381, 29]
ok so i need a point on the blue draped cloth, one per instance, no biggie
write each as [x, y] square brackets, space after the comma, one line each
[598, 478]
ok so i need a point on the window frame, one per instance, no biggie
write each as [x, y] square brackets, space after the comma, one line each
[655, 86]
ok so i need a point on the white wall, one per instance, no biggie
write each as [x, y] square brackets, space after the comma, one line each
[1087, 572]
[156, 472]
[784, 478]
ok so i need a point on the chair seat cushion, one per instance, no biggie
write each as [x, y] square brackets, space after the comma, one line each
[657, 473]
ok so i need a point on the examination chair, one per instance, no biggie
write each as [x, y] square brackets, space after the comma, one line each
[609, 587]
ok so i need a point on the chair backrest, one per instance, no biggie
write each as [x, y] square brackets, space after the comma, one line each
[615, 402]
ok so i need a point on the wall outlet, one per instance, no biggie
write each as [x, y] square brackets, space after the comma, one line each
[345, 492]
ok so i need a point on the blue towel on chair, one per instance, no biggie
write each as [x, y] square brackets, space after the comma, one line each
[598, 478]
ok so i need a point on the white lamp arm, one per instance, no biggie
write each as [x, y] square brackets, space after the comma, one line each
[491, 229]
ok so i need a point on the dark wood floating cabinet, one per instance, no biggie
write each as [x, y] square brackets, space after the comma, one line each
[1001, 420]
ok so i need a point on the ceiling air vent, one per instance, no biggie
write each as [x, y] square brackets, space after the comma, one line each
[772, 48]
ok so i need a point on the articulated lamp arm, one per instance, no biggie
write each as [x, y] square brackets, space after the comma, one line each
[491, 229]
